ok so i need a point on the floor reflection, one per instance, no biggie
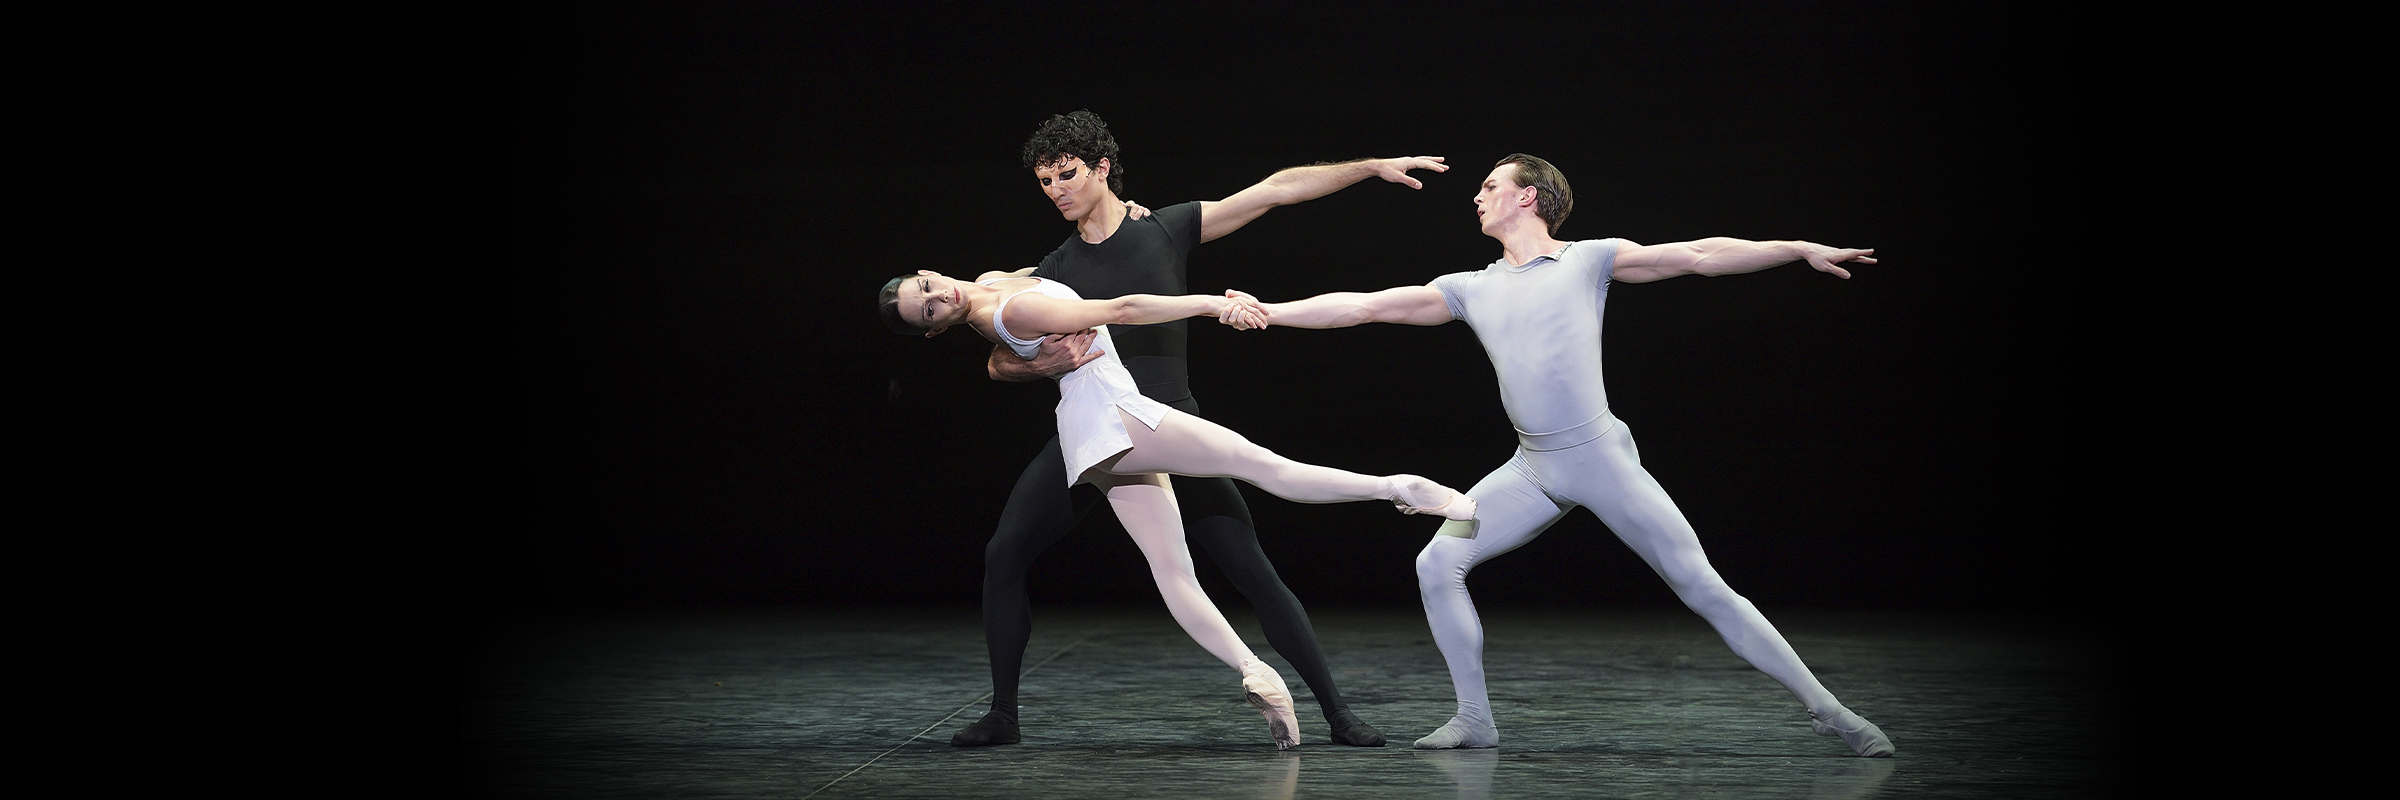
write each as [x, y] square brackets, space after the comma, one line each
[1619, 704]
[1281, 784]
[1858, 779]
[1469, 770]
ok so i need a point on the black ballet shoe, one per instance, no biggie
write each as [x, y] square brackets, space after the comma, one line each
[1862, 736]
[994, 728]
[1357, 734]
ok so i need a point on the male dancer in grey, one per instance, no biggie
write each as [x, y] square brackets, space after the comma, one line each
[1537, 312]
[1115, 252]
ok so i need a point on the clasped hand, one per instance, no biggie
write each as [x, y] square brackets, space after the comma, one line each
[1243, 312]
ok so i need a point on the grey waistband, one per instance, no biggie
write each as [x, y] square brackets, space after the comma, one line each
[1593, 428]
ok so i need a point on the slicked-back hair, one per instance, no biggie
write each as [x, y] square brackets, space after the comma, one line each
[1552, 198]
[888, 304]
[1081, 135]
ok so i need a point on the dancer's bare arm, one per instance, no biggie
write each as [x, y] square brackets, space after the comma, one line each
[1302, 184]
[1404, 305]
[1064, 353]
[1051, 315]
[1638, 263]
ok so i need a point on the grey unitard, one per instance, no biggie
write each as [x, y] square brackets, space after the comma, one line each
[1540, 323]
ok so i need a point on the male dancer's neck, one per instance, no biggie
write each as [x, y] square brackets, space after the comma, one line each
[1103, 220]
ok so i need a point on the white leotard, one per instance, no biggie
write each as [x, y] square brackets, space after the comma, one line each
[1089, 430]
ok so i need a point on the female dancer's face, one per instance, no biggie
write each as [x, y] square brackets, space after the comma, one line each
[933, 301]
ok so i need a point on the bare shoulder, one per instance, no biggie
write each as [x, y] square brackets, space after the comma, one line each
[999, 274]
[1011, 286]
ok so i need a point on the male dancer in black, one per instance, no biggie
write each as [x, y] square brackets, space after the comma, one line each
[1112, 254]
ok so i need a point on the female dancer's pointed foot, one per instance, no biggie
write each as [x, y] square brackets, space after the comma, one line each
[1461, 732]
[994, 728]
[1421, 496]
[1862, 736]
[1350, 730]
[1265, 691]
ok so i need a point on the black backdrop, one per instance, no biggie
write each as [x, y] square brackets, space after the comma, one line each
[683, 209]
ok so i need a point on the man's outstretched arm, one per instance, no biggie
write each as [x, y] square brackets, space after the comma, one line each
[1406, 305]
[1302, 184]
[1722, 256]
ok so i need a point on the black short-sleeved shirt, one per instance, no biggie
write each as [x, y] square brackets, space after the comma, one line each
[1144, 256]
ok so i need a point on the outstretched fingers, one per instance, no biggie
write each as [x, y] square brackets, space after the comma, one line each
[1396, 169]
[1825, 260]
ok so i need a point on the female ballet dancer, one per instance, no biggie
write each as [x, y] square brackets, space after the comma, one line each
[1126, 444]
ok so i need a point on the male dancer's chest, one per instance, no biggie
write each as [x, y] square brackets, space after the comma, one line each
[1136, 260]
[1547, 302]
[1099, 278]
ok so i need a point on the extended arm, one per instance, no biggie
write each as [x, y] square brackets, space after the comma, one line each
[1406, 305]
[1062, 353]
[1302, 184]
[1031, 312]
[1722, 256]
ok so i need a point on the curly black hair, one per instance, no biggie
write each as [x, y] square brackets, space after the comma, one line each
[1081, 135]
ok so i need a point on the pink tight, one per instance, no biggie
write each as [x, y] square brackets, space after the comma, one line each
[1136, 484]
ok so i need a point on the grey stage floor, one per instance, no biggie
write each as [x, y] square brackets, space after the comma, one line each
[1119, 703]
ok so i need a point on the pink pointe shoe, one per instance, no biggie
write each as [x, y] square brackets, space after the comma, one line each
[1266, 693]
[1417, 495]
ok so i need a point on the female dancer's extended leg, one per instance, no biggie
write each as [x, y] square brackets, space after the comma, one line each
[1145, 504]
[1187, 445]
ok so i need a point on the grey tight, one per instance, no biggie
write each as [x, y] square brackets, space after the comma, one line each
[1532, 491]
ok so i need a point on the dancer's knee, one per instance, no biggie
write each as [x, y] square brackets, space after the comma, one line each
[1440, 568]
[1008, 557]
[1261, 585]
[1703, 590]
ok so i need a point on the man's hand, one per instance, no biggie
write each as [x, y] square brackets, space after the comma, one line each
[1059, 355]
[1824, 258]
[1135, 210]
[1062, 353]
[1396, 170]
[1242, 311]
